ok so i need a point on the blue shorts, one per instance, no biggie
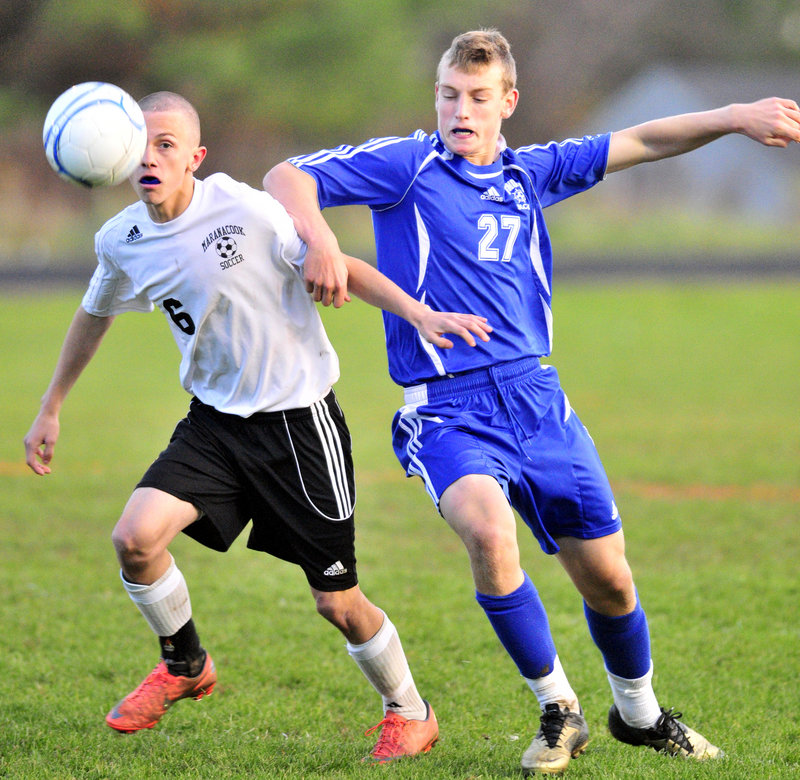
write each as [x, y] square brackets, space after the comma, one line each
[513, 422]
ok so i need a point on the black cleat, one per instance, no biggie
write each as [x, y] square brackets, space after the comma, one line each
[669, 736]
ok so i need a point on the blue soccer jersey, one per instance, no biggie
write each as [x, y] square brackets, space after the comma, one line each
[461, 237]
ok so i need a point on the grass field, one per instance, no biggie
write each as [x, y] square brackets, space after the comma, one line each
[691, 393]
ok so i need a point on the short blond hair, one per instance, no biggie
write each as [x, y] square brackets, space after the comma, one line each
[478, 49]
[172, 101]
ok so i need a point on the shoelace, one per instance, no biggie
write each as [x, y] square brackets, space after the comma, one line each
[156, 677]
[668, 725]
[389, 738]
[552, 723]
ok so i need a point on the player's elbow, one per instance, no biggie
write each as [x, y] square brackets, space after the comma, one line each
[281, 176]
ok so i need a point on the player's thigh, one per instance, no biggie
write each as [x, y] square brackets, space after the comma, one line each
[477, 509]
[151, 519]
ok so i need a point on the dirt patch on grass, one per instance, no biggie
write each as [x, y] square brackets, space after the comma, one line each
[758, 493]
[761, 492]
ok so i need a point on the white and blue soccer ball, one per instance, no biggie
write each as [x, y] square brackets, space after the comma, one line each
[94, 134]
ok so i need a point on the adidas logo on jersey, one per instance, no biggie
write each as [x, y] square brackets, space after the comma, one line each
[492, 194]
[134, 234]
[335, 570]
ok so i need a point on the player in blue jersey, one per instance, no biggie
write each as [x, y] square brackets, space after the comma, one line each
[458, 225]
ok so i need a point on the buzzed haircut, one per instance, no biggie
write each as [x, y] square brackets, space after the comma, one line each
[479, 49]
[172, 101]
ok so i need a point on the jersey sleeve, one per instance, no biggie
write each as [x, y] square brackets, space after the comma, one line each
[377, 173]
[110, 291]
[566, 168]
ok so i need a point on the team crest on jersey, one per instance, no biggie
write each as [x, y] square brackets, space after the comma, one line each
[225, 245]
[515, 189]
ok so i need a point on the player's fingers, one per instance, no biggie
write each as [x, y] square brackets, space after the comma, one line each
[35, 460]
[441, 341]
[465, 335]
[340, 298]
[482, 331]
[477, 325]
[40, 468]
[31, 452]
[47, 452]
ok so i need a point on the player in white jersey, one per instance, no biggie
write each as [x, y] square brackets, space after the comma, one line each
[458, 224]
[264, 439]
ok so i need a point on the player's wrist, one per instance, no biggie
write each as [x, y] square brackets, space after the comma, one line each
[50, 407]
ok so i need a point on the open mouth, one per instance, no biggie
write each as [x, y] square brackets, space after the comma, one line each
[149, 181]
[462, 132]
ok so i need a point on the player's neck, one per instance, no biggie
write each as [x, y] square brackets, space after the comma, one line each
[173, 206]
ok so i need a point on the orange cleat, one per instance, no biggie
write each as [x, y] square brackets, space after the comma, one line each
[144, 707]
[402, 737]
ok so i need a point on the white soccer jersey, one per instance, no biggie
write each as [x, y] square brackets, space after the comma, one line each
[227, 274]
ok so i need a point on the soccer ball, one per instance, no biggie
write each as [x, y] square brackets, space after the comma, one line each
[94, 134]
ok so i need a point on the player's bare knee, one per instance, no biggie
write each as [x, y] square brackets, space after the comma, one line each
[134, 550]
[492, 543]
[614, 594]
[333, 608]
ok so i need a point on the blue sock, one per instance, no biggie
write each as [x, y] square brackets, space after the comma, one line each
[624, 641]
[521, 624]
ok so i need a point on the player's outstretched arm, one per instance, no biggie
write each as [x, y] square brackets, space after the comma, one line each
[81, 342]
[772, 122]
[325, 271]
[372, 286]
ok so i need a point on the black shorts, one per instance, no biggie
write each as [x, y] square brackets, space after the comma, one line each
[290, 472]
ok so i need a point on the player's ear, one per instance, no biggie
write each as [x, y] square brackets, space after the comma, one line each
[509, 103]
[198, 157]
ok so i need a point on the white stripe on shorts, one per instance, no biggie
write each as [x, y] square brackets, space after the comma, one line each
[331, 447]
[411, 422]
[334, 456]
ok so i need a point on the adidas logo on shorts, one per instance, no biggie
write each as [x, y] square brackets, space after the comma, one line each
[335, 569]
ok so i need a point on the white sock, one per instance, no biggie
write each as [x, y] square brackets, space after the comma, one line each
[165, 604]
[384, 664]
[554, 687]
[635, 699]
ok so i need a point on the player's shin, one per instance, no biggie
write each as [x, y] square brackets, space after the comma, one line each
[384, 664]
[624, 642]
[520, 622]
[166, 607]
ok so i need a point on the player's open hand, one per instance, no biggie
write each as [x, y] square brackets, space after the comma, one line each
[40, 442]
[433, 325]
[771, 121]
[325, 274]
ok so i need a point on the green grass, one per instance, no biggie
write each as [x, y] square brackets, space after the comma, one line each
[691, 395]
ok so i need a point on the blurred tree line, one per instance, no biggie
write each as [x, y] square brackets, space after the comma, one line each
[275, 77]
